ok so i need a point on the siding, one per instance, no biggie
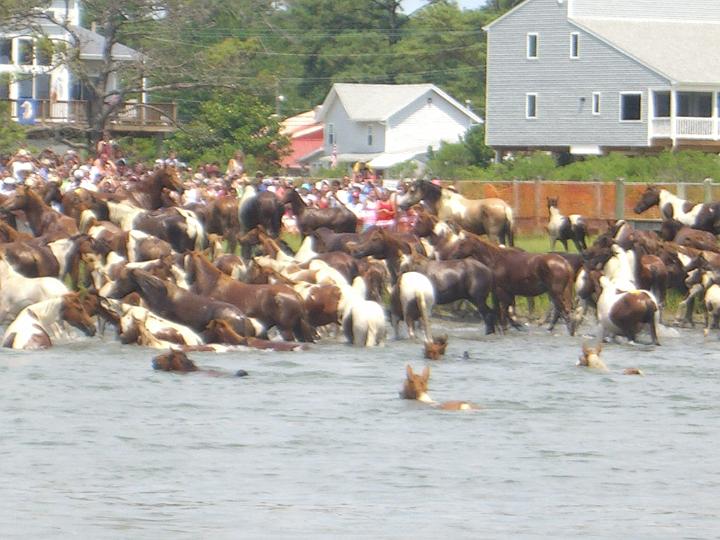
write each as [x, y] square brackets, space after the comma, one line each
[700, 10]
[560, 82]
[351, 136]
[420, 125]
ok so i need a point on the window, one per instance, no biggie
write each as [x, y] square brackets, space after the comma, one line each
[574, 45]
[5, 51]
[43, 52]
[331, 133]
[25, 88]
[24, 52]
[42, 86]
[596, 103]
[661, 107]
[530, 105]
[694, 104]
[532, 45]
[631, 107]
[4, 87]
[370, 135]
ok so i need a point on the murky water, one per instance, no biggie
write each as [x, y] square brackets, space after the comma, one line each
[95, 444]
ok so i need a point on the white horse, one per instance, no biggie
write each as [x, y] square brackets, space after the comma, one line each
[363, 320]
[18, 291]
[411, 300]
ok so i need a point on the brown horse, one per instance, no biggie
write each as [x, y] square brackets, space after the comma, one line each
[674, 231]
[184, 307]
[385, 245]
[178, 362]
[518, 273]
[43, 220]
[272, 305]
[148, 193]
[339, 219]
[493, 217]
[416, 386]
[221, 217]
[219, 331]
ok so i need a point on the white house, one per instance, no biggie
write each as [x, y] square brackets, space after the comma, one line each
[29, 72]
[386, 124]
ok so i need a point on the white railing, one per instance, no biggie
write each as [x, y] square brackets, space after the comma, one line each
[686, 127]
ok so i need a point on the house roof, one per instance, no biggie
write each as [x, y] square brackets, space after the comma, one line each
[680, 51]
[378, 102]
[92, 45]
[300, 125]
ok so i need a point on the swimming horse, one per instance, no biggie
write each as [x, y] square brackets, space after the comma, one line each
[703, 216]
[491, 216]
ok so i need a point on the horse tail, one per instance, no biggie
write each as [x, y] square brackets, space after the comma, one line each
[509, 226]
[422, 308]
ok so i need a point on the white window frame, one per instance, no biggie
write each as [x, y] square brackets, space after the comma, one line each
[574, 45]
[595, 103]
[527, 105]
[620, 107]
[537, 45]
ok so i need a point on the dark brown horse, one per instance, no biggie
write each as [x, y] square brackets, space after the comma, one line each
[264, 209]
[461, 279]
[339, 219]
[148, 193]
[674, 231]
[518, 273]
[493, 216]
[272, 305]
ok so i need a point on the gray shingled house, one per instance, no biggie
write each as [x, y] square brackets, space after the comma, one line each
[591, 76]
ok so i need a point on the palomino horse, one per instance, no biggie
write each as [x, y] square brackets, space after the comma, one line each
[492, 216]
[18, 291]
[564, 228]
[518, 273]
[703, 216]
[416, 386]
[43, 220]
[340, 219]
[37, 323]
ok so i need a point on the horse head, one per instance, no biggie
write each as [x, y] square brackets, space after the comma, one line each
[73, 311]
[173, 361]
[552, 202]
[420, 190]
[415, 385]
[651, 197]
[18, 200]
[169, 178]
[372, 245]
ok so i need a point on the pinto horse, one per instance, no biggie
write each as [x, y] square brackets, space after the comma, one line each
[340, 219]
[564, 228]
[703, 216]
[149, 192]
[518, 273]
[492, 216]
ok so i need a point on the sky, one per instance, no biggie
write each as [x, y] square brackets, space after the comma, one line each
[411, 5]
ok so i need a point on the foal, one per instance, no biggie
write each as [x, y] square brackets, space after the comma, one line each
[564, 228]
[415, 387]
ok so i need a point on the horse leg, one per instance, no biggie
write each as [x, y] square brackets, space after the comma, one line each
[564, 242]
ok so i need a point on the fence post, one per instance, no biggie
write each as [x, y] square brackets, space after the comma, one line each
[516, 197]
[538, 205]
[619, 198]
[681, 191]
[707, 190]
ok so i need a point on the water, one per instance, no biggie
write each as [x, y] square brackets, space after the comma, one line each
[317, 444]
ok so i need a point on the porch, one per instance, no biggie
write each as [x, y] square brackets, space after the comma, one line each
[132, 117]
[684, 115]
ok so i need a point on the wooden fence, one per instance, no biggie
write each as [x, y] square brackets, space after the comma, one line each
[596, 201]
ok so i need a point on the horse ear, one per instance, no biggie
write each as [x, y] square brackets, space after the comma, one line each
[426, 373]
[409, 371]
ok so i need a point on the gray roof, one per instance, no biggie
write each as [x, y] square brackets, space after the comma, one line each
[378, 102]
[92, 45]
[684, 52]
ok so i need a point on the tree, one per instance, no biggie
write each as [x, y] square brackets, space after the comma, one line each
[229, 121]
[12, 134]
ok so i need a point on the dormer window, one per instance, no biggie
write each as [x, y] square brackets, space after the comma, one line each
[532, 45]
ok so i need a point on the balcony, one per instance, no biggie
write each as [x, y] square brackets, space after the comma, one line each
[132, 117]
[686, 127]
[684, 115]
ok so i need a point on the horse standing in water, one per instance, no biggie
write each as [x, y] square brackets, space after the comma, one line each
[703, 216]
[564, 228]
[491, 216]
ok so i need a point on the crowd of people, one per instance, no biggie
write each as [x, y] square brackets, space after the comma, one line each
[366, 194]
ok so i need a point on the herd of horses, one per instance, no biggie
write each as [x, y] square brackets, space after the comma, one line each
[170, 277]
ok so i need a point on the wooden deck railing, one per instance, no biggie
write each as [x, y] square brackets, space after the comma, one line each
[159, 117]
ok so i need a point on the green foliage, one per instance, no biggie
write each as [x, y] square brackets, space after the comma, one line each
[12, 134]
[228, 122]
[138, 149]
